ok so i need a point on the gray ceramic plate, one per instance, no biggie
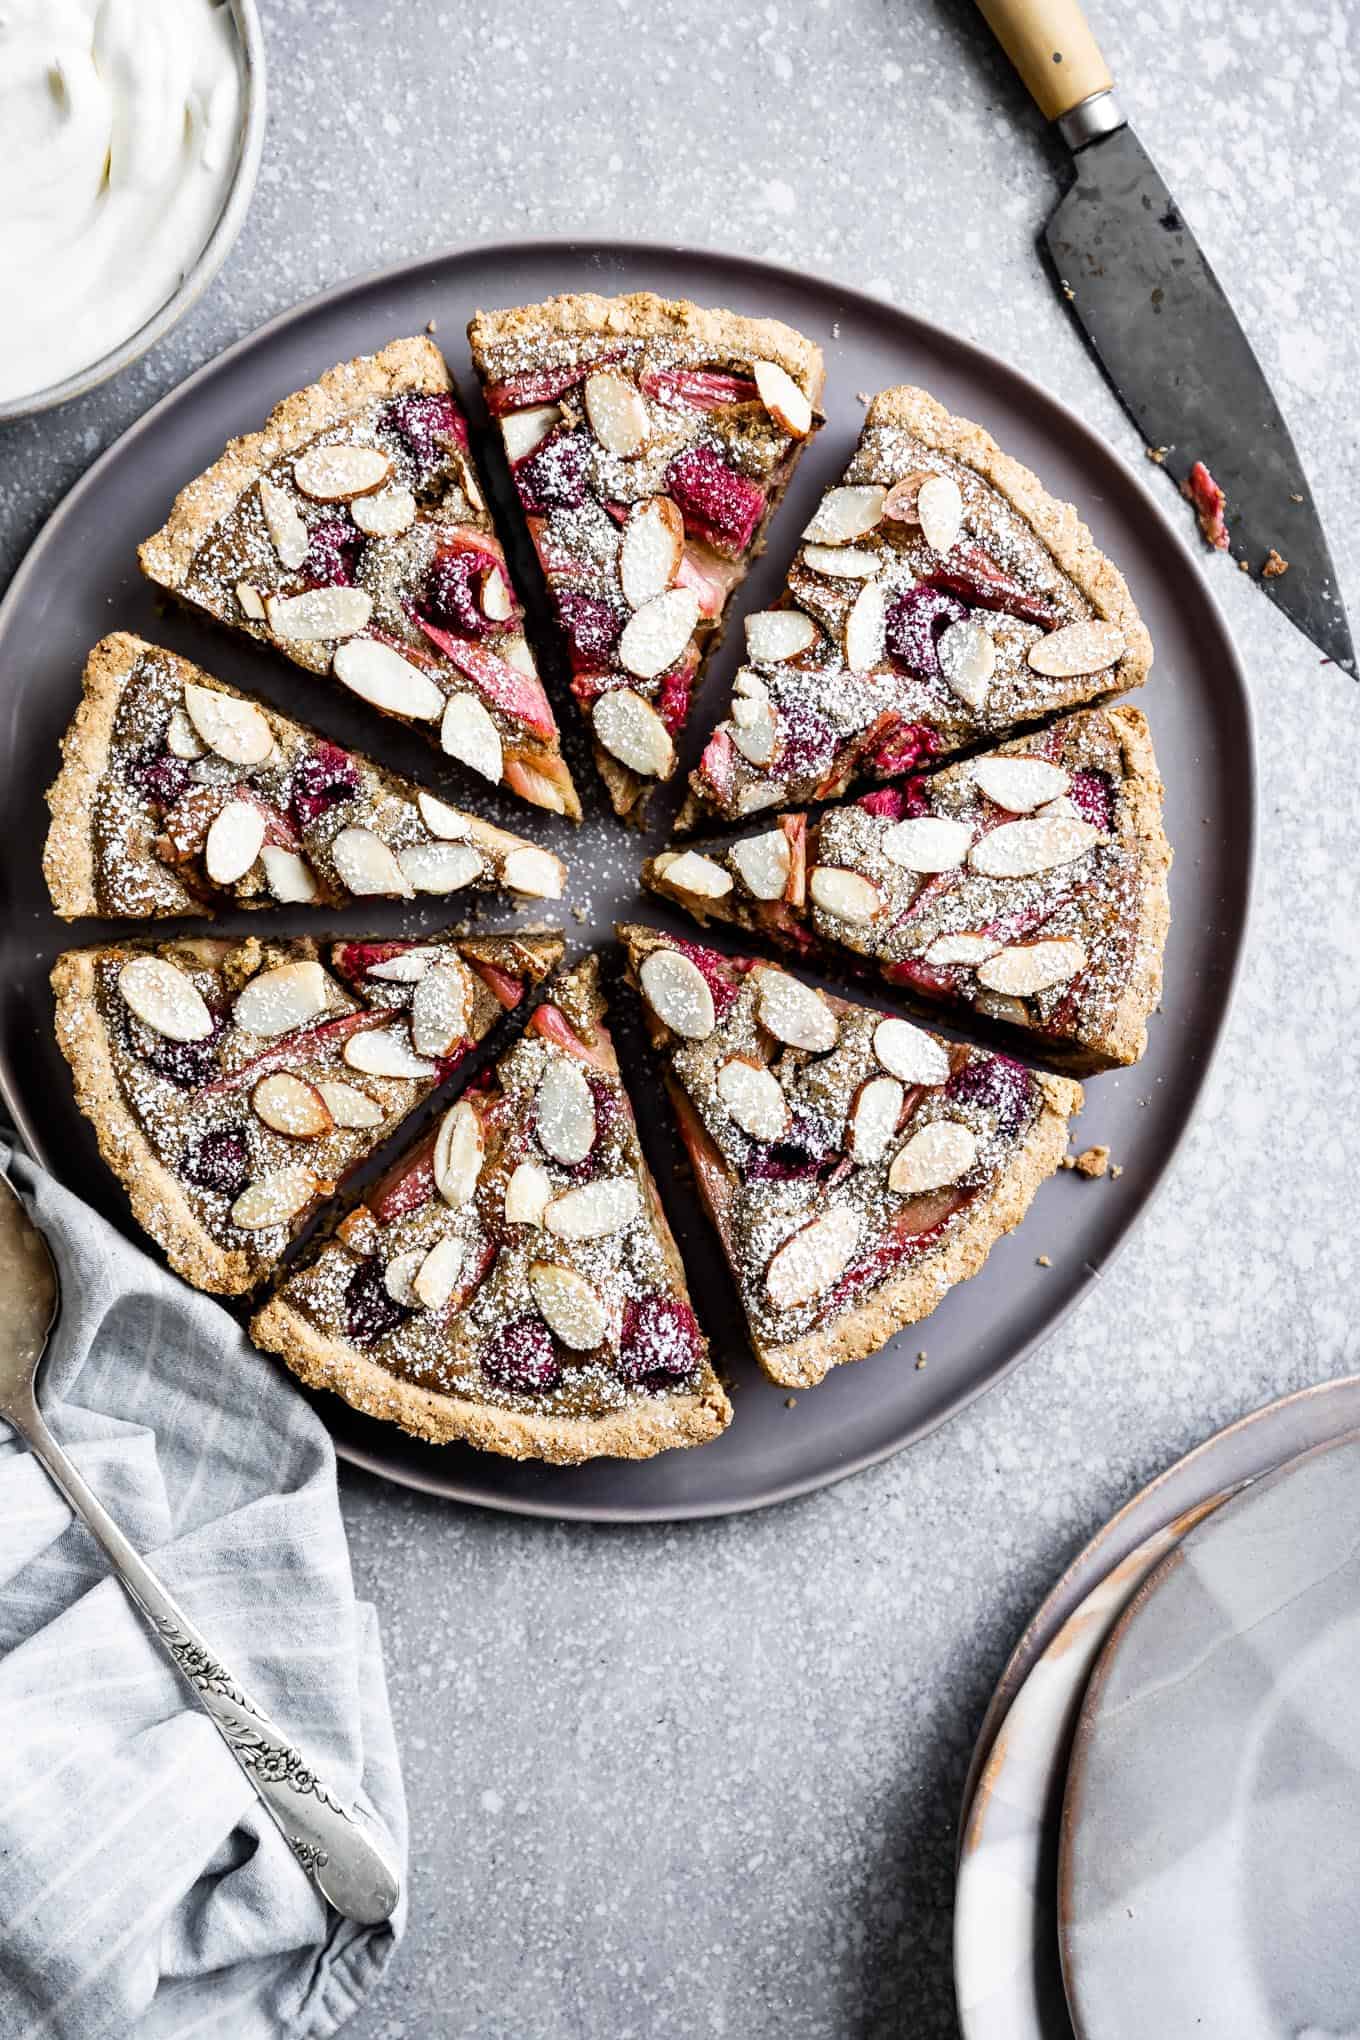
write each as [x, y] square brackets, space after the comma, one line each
[1209, 1879]
[81, 580]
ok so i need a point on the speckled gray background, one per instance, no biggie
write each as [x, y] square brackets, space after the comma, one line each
[704, 1781]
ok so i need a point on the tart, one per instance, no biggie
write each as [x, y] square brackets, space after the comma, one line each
[855, 1166]
[650, 442]
[1028, 884]
[940, 596]
[352, 534]
[513, 1281]
[233, 1085]
[177, 794]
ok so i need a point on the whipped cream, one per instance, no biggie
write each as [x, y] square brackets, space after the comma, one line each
[120, 122]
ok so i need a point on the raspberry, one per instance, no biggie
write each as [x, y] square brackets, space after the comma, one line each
[187, 1064]
[449, 599]
[323, 779]
[661, 1341]
[807, 741]
[896, 803]
[427, 424]
[334, 550]
[997, 1083]
[674, 692]
[913, 627]
[895, 746]
[1092, 794]
[723, 505]
[593, 627]
[218, 1161]
[806, 1151]
[370, 1312]
[522, 1357]
[553, 476]
[161, 775]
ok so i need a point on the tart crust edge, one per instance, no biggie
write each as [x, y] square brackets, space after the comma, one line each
[1124, 1040]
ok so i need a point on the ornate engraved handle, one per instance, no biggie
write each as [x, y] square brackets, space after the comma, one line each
[345, 1855]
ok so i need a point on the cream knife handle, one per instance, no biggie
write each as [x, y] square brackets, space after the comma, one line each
[1053, 49]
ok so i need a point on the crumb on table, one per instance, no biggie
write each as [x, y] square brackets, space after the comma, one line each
[1157, 453]
[1043, 1261]
[1274, 566]
[1092, 1161]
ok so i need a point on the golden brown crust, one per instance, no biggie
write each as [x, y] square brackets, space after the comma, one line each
[200, 506]
[1126, 1037]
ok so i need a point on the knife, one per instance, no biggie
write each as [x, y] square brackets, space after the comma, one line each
[1163, 331]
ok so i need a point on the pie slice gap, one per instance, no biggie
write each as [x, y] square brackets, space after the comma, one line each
[351, 533]
[177, 795]
[233, 1085]
[513, 1282]
[1027, 884]
[650, 442]
[854, 1166]
[940, 597]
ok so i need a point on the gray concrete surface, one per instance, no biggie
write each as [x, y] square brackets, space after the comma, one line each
[703, 1781]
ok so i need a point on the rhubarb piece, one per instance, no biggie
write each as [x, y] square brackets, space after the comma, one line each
[352, 534]
[222, 1081]
[940, 597]
[1200, 489]
[649, 443]
[533, 1299]
[855, 1168]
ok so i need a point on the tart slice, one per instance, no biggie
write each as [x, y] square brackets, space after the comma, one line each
[940, 596]
[177, 794]
[513, 1282]
[1028, 884]
[233, 1085]
[351, 533]
[650, 442]
[855, 1167]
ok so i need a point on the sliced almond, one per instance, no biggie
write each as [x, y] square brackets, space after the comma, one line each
[753, 1097]
[275, 1001]
[596, 1211]
[251, 601]
[677, 992]
[564, 1112]
[1064, 806]
[442, 820]
[386, 1052]
[1076, 649]
[527, 1194]
[910, 1053]
[468, 734]
[965, 948]
[290, 877]
[845, 514]
[181, 738]
[335, 473]
[1024, 849]
[967, 656]
[864, 628]
[348, 1105]
[1031, 967]
[653, 546]
[275, 1198]
[571, 1308]
[755, 725]
[439, 1010]
[535, 873]
[522, 431]
[291, 1105]
[617, 413]
[440, 867]
[794, 1013]
[234, 729]
[167, 1001]
[631, 730]
[939, 508]
[458, 1151]
[814, 1259]
[407, 967]
[399, 1274]
[1021, 784]
[385, 514]
[902, 503]
[782, 398]
[692, 872]
[379, 674]
[764, 863]
[496, 601]
[366, 865]
[935, 1156]
[873, 1118]
[753, 799]
[845, 895]
[234, 841]
[283, 522]
[655, 635]
[926, 843]
[437, 1276]
[319, 613]
[851, 564]
[773, 635]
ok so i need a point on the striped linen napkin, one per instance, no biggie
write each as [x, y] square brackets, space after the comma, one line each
[143, 1888]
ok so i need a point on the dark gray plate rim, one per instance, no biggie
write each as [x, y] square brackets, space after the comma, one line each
[567, 1493]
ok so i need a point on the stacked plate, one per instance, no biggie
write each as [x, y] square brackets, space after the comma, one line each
[1161, 1826]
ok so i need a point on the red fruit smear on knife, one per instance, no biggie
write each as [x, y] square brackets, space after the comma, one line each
[1200, 488]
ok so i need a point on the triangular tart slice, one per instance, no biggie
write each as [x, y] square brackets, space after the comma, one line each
[1027, 884]
[351, 533]
[855, 1166]
[177, 795]
[233, 1085]
[650, 441]
[940, 596]
[513, 1282]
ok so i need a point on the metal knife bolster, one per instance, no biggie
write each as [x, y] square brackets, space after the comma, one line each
[1098, 114]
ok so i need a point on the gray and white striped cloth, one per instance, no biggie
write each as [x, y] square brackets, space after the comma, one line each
[144, 1891]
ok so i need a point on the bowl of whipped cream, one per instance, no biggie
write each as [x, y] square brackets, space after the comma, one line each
[132, 132]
